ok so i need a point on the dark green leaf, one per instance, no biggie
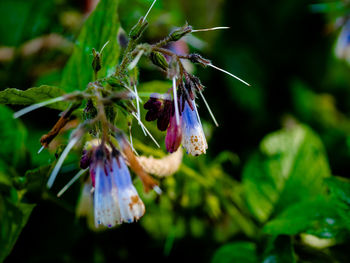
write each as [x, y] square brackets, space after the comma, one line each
[19, 23]
[100, 27]
[279, 250]
[13, 218]
[340, 193]
[318, 217]
[12, 137]
[288, 160]
[32, 96]
[236, 252]
[339, 188]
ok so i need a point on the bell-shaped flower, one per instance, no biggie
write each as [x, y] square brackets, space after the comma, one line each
[193, 138]
[130, 204]
[106, 203]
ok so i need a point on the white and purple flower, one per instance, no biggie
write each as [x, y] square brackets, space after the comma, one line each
[115, 197]
[179, 117]
[193, 138]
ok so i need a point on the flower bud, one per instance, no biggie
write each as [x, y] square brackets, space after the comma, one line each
[159, 60]
[196, 58]
[180, 32]
[153, 106]
[164, 117]
[173, 136]
[160, 110]
[138, 29]
[96, 62]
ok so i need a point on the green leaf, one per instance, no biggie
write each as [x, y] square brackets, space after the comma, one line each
[12, 137]
[340, 193]
[339, 188]
[26, 24]
[317, 217]
[279, 250]
[13, 217]
[32, 96]
[100, 27]
[236, 252]
[290, 167]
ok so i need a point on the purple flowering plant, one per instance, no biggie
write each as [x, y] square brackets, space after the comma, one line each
[125, 144]
[109, 194]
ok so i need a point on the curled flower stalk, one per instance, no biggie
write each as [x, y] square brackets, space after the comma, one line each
[108, 155]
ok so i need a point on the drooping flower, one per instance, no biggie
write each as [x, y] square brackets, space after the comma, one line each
[131, 206]
[193, 138]
[115, 197]
[106, 205]
[179, 117]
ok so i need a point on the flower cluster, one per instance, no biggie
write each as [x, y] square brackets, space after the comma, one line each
[115, 197]
[179, 116]
[107, 152]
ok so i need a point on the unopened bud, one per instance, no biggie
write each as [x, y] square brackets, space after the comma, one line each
[196, 58]
[180, 32]
[159, 60]
[138, 29]
[96, 62]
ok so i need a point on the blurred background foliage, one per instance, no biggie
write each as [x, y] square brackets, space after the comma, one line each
[274, 184]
